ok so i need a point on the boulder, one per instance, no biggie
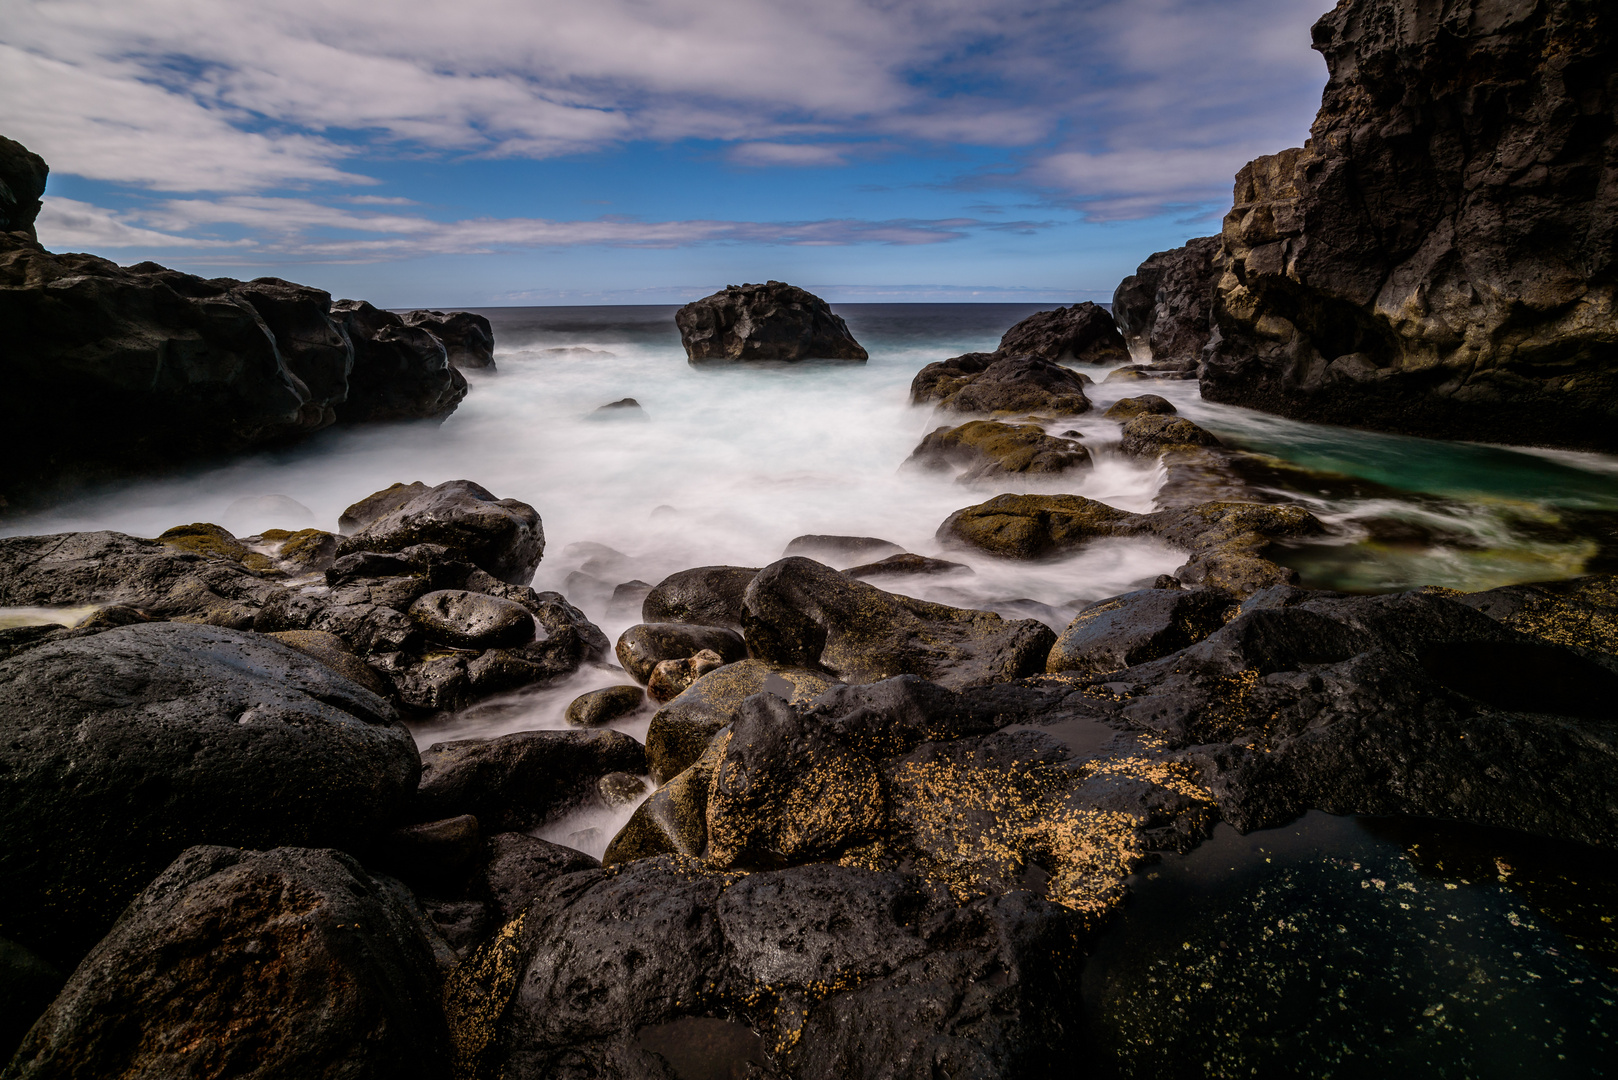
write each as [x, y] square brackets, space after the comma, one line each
[706, 595]
[603, 706]
[289, 962]
[674, 819]
[335, 653]
[643, 646]
[899, 565]
[839, 550]
[990, 450]
[467, 338]
[400, 372]
[1130, 407]
[1150, 434]
[1163, 307]
[1032, 526]
[670, 678]
[517, 781]
[773, 321]
[1417, 267]
[1579, 612]
[169, 735]
[1023, 384]
[22, 182]
[436, 858]
[470, 620]
[1136, 627]
[803, 613]
[1084, 333]
[501, 536]
[622, 409]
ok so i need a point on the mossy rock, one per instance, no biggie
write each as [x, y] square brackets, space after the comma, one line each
[992, 449]
[1145, 404]
[206, 539]
[309, 551]
[1150, 434]
[1032, 526]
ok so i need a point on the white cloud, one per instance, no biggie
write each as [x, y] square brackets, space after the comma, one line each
[70, 225]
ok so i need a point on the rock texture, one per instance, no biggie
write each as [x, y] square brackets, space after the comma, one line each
[773, 321]
[1439, 258]
[988, 383]
[1084, 333]
[468, 339]
[22, 182]
[990, 450]
[503, 537]
[401, 372]
[1163, 307]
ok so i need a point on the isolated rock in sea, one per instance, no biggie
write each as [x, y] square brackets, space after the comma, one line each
[803, 613]
[645, 645]
[1130, 407]
[1150, 434]
[1023, 384]
[706, 595]
[1136, 627]
[1439, 258]
[22, 182]
[1163, 307]
[467, 337]
[502, 536]
[401, 372]
[288, 962]
[170, 735]
[773, 321]
[990, 450]
[517, 781]
[838, 551]
[1084, 333]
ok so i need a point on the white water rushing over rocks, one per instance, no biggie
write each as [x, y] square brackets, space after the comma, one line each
[725, 464]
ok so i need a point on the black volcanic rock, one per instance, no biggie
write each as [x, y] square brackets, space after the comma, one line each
[990, 383]
[501, 536]
[1439, 258]
[22, 182]
[468, 339]
[401, 372]
[990, 450]
[773, 321]
[1164, 305]
[1083, 333]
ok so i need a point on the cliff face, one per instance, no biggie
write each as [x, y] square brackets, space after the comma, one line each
[1439, 258]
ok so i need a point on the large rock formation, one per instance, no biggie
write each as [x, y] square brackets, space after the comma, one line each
[773, 321]
[1438, 258]
[467, 336]
[1084, 333]
[22, 182]
[1163, 307]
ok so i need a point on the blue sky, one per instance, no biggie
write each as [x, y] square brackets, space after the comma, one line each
[648, 151]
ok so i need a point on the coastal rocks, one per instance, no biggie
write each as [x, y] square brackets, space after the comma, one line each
[517, 781]
[468, 339]
[1032, 526]
[470, 620]
[900, 565]
[705, 595]
[1150, 434]
[802, 613]
[1582, 612]
[642, 647]
[400, 372]
[839, 551]
[773, 321]
[990, 450]
[604, 706]
[1420, 265]
[287, 962]
[1024, 384]
[1137, 627]
[170, 735]
[671, 678]
[681, 730]
[22, 182]
[501, 536]
[1163, 308]
[1084, 333]
[1130, 407]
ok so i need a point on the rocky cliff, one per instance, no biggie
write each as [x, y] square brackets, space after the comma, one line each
[1438, 258]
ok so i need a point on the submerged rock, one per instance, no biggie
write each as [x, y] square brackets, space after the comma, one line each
[773, 321]
[839, 550]
[990, 450]
[1164, 306]
[1084, 333]
[979, 383]
[898, 565]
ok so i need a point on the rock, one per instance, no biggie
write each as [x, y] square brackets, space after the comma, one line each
[670, 678]
[378, 504]
[435, 858]
[170, 735]
[518, 865]
[501, 536]
[896, 565]
[706, 595]
[1032, 526]
[1137, 627]
[643, 646]
[1007, 384]
[470, 620]
[1163, 308]
[622, 409]
[467, 338]
[288, 962]
[1417, 267]
[894, 716]
[674, 818]
[1084, 333]
[620, 789]
[317, 351]
[1578, 613]
[334, 652]
[1145, 404]
[680, 731]
[990, 450]
[802, 613]
[604, 706]
[838, 550]
[773, 321]
[627, 599]
[22, 182]
[206, 539]
[400, 372]
[1150, 434]
[517, 781]
[307, 551]
[28, 983]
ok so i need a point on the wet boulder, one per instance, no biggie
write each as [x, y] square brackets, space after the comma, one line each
[1084, 333]
[643, 646]
[501, 536]
[1021, 384]
[467, 338]
[603, 706]
[1137, 627]
[288, 962]
[400, 372]
[681, 730]
[674, 818]
[900, 565]
[990, 450]
[1150, 434]
[170, 735]
[773, 321]
[1145, 404]
[805, 614]
[517, 781]
[335, 653]
[707, 595]
[670, 678]
[470, 620]
[1032, 526]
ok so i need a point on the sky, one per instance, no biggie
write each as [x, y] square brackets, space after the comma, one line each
[510, 152]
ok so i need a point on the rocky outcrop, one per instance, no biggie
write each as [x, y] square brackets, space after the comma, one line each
[990, 450]
[290, 962]
[1438, 259]
[401, 372]
[1084, 333]
[988, 383]
[503, 537]
[1163, 307]
[468, 338]
[22, 182]
[773, 321]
